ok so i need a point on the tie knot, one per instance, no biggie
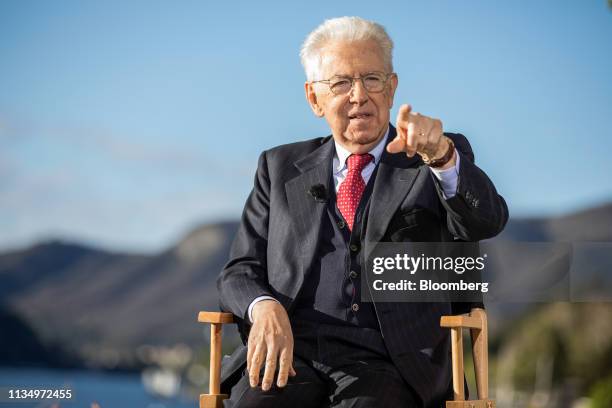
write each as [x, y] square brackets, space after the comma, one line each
[356, 162]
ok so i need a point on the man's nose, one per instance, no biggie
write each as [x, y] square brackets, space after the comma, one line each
[358, 93]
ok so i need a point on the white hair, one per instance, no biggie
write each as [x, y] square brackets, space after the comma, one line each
[343, 29]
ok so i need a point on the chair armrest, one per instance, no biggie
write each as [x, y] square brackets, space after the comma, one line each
[463, 321]
[215, 317]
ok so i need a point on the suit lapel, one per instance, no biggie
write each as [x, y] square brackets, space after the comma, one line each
[395, 176]
[305, 211]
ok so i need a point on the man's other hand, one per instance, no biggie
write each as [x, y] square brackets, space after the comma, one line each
[270, 340]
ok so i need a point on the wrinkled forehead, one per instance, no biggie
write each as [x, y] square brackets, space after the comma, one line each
[352, 58]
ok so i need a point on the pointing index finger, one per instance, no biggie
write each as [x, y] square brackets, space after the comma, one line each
[404, 113]
[399, 143]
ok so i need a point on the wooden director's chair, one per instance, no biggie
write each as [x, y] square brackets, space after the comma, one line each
[476, 321]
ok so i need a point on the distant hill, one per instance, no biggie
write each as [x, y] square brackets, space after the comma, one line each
[594, 224]
[20, 346]
[83, 297]
[88, 298]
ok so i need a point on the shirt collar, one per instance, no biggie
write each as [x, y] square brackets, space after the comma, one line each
[342, 154]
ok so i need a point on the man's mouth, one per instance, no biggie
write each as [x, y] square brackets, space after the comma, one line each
[360, 116]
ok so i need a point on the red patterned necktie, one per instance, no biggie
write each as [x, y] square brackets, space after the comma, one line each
[351, 189]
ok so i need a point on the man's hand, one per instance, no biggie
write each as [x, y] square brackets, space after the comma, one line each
[420, 134]
[270, 340]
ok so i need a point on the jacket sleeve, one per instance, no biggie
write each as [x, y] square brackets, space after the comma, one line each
[244, 277]
[476, 212]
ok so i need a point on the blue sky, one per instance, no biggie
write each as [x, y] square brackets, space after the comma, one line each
[126, 125]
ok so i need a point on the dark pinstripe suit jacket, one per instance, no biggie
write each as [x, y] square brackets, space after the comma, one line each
[278, 235]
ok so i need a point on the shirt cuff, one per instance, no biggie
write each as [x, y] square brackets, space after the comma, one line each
[448, 178]
[257, 299]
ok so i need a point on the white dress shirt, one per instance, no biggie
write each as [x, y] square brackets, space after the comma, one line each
[340, 168]
[448, 180]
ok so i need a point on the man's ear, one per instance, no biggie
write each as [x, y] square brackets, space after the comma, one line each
[311, 97]
[392, 86]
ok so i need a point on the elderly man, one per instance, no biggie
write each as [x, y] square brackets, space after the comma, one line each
[293, 279]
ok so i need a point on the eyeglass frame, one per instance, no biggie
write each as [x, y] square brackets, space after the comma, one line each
[353, 79]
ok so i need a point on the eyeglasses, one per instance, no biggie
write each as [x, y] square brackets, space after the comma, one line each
[373, 82]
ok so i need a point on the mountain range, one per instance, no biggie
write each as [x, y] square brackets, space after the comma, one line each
[83, 299]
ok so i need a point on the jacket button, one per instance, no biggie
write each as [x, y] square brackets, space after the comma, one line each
[354, 247]
[341, 224]
[355, 307]
[353, 274]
